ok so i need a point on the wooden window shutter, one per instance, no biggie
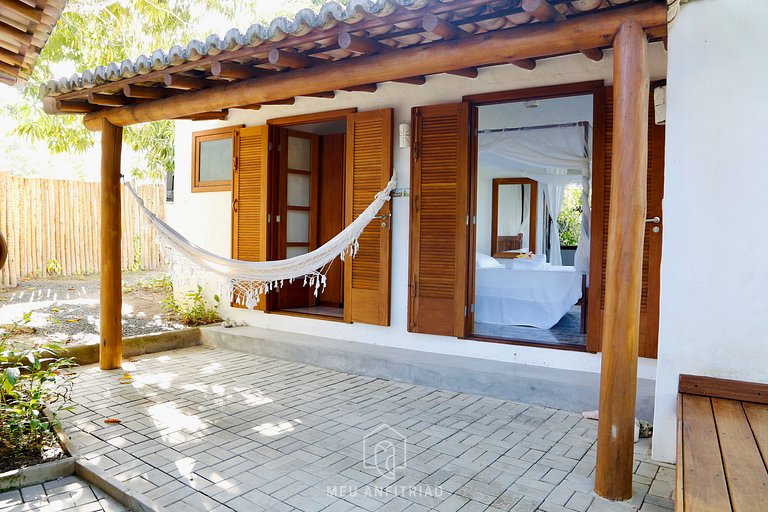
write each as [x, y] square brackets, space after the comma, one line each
[601, 187]
[439, 219]
[368, 170]
[249, 196]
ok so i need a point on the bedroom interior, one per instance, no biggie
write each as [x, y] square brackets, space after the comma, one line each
[529, 279]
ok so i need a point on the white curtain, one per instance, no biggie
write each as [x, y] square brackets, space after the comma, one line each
[544, 155]
[554, 194]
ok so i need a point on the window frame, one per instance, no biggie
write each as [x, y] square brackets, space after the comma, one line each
[227, 132]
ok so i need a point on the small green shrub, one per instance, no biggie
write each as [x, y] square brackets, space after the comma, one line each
[53, 267]
[137, 260]
[193, 308]
[159, 283]
[30, 380]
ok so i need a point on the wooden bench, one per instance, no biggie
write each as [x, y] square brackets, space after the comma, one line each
[722, 446]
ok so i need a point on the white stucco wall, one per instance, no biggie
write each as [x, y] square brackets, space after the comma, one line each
[205, 217]
[713, 278]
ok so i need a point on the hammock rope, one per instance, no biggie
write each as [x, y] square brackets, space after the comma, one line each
[244, 281]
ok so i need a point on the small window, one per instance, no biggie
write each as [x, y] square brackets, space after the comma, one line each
[212, 159]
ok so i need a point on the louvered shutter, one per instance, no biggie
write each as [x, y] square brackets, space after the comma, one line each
[368, 170]
[249, 196]
[601, 188]
[439, 220]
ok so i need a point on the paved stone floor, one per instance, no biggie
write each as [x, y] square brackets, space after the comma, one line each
[210, 429]
[68, 494]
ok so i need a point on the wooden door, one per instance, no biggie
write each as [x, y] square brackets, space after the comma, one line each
[368, 170]
[439, 219]
[601, 186]
[297, 221]
[249, 196]
[331, 213]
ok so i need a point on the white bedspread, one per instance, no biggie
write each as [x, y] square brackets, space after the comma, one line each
[537, 298]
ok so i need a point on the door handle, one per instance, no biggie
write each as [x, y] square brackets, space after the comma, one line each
[654, 220]
[234, 205]
[384, 218]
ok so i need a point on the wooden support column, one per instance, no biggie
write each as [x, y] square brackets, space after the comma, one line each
[624, 264]
[111, 335]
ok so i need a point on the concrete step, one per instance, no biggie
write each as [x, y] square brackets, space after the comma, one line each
[551, 387]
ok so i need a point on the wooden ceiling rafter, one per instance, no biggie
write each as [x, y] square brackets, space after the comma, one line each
[110, 100]
[546, 13]
[11, 58]
[26, 11]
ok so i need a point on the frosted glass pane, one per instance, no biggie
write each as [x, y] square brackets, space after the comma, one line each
[298, 226]
[290, 252]
[298, 189]
[299, 153]
[216, 160]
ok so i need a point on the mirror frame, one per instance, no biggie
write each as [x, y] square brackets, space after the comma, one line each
[495, 212]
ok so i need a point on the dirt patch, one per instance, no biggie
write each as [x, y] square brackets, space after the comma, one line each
[24, 451]
[65, 310]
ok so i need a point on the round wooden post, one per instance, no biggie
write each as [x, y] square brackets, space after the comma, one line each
[626, 229]
[111, 335]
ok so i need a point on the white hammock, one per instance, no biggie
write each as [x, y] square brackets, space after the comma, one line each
[244, 281]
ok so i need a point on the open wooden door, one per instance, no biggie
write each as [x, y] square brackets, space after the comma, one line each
[249, 196]
[439, 220]
[368, 170]
[298, 209]
[601, 186]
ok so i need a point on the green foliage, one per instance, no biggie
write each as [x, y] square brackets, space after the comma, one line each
[193, 308]
[137, 261]
[161, 282]
[569, 220]
[30, 380]
[97, 32]
[53, 267]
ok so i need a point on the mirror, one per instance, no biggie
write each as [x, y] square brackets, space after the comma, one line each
[513, 229]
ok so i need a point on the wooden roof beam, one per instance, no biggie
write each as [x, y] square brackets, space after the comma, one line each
[14, 59]
[185, 82]
[9, 70]
[143, 92]
[236, 71]
[447, 31]
[15, 34]
[327, 95]
[411, 80]
[27, 12]
[465, 72]
[528, 64]
[361, 88]
[290, 59]
[206, 116]
[595, 54]
[442, 28]
[109, 100]
[74, 107]
[533, 41]
[287, 101]
[542, 10]
[362, 45]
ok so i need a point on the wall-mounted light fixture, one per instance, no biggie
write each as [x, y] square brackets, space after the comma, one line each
[405, 135]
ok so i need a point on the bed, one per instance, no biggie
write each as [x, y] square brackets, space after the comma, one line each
[537, 297]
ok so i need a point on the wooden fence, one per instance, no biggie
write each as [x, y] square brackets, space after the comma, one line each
[52, 226]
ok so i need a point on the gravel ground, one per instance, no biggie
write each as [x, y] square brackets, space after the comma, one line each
[65, 309]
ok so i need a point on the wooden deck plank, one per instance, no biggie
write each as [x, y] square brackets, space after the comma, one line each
[745, 472]
[704, 484]
[679, 495]
[757, 414]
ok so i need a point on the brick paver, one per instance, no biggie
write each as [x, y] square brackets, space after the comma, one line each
[68, 494]
[206, 429]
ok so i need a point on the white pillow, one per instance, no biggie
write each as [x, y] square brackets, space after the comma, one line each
[485, 261]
